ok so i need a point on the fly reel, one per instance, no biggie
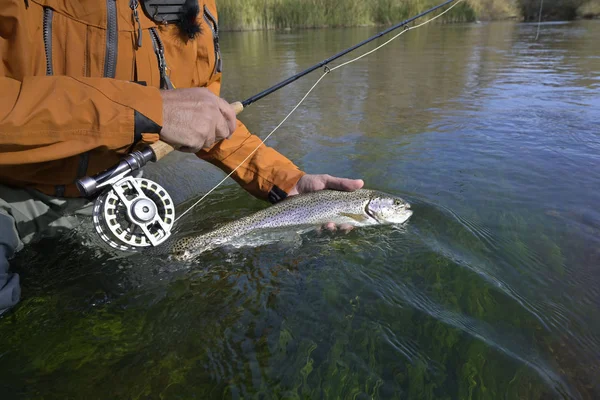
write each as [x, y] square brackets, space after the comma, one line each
[131, 212]
[134, 213]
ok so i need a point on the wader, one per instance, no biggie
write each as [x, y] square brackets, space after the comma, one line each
[27, 215]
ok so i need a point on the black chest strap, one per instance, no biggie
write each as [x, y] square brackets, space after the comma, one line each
[184, 13]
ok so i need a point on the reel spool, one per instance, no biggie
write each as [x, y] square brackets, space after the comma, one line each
[134, 213]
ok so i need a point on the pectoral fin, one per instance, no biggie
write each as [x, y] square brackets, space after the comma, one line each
[356, 217]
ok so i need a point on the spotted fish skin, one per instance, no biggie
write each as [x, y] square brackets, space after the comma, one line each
[305, 210]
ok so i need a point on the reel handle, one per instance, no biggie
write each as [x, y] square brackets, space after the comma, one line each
[161, 149]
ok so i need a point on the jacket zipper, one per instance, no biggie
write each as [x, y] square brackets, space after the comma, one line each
[59, 190]
[110, 66]
[165, 82]
[214, 27]
[133, 4]
[48, 13]
[110, 61]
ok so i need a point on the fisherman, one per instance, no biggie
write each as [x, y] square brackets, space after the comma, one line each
[83, 82]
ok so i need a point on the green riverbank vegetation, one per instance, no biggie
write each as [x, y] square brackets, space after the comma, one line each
[288, 14]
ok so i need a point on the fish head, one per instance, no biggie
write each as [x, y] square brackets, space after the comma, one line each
[388, 209]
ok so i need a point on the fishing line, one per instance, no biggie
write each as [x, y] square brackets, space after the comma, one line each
[257, 147]
[326, 71]
[539, 20]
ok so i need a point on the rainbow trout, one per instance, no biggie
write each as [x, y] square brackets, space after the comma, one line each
[362, 207]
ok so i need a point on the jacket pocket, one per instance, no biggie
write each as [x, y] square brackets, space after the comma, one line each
[214, 27]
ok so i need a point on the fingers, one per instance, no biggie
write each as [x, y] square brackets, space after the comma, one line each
[314, 183]
[222, 130]
[229, 114]
[343, 184]
[195, 118]
[332, 227]
[346, 228]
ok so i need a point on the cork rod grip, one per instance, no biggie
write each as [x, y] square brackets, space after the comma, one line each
[161, 148]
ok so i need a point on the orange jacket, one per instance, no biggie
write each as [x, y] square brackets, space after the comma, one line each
[77, 93]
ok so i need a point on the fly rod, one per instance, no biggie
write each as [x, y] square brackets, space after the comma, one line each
[307, 71]
[156, 151]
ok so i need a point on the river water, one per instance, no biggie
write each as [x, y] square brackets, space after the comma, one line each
[490, 291]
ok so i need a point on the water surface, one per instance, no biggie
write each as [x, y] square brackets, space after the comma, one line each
[490, 291]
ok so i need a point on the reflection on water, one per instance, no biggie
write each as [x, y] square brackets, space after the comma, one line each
[490, 291]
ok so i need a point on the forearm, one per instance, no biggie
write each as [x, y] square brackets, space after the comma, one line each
[54, 117]
[265, 173]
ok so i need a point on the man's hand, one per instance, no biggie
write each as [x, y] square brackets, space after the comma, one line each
[314, 183]
[195, 118]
